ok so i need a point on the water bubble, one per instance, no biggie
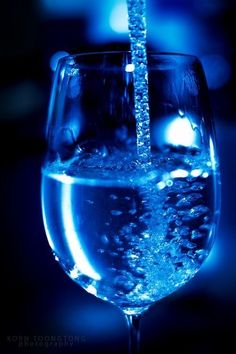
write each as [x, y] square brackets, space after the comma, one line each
[181, 231]
[116, 212]
[120, 249]
[180, 187]
[187, 244]
[124, 283]
[75, 273]
[196, 173]
[132, 239]
[202, 254]
[206, 219]
[145, 216]
[170, 211]
[169, 183]
[196, 234]
[112, 270]
[91, 289]
[179, 173]
[178, 222]
[132, 211]
[126, 229]
[181, 113]
[105, 239]
[146, 235]
[133, 256]
[117, 240]
[140, 270]
[206, 227]
[205, 174]
[191, 254]
[161, 185]
[113, 196]
[90, 201]
[103, 151]
[188, 200]
[196, 212]
[197, 186]
[113, 254]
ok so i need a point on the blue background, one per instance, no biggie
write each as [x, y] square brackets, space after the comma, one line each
[42, 310]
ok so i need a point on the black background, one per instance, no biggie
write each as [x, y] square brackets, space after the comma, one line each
[42, 310]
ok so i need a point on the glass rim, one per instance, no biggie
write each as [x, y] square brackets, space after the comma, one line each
[73, 57]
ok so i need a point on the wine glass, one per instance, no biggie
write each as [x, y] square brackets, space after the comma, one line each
[127, 233]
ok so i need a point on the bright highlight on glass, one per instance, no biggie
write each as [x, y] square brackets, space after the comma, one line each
[129, 68]
[180, 132]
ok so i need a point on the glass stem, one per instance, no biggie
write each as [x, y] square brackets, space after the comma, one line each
[134, 333]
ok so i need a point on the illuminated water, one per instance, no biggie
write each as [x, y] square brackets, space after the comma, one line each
[125, 243]
[137, 34]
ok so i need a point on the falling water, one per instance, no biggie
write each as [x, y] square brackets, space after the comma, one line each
[137, 34]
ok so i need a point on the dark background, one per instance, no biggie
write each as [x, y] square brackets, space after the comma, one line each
[42, 310]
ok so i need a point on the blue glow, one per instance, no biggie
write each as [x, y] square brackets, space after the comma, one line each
[174, 32]
[217, 69]
[82, 263]
[205, 174]
[129, 68]
[179, 173]
[196, 173]
[108, 21]
[91, 290]
[180, 132]
[55, 58]
[119, 18]
[176, 130]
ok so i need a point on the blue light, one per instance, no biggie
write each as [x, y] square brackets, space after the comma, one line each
[129, 68]
[197, 172]
[176, 130]
[119, 18]
[217, 69]
[174, 32]
[108, 21]
[179, 173]
[180, 132]
[55, 58]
